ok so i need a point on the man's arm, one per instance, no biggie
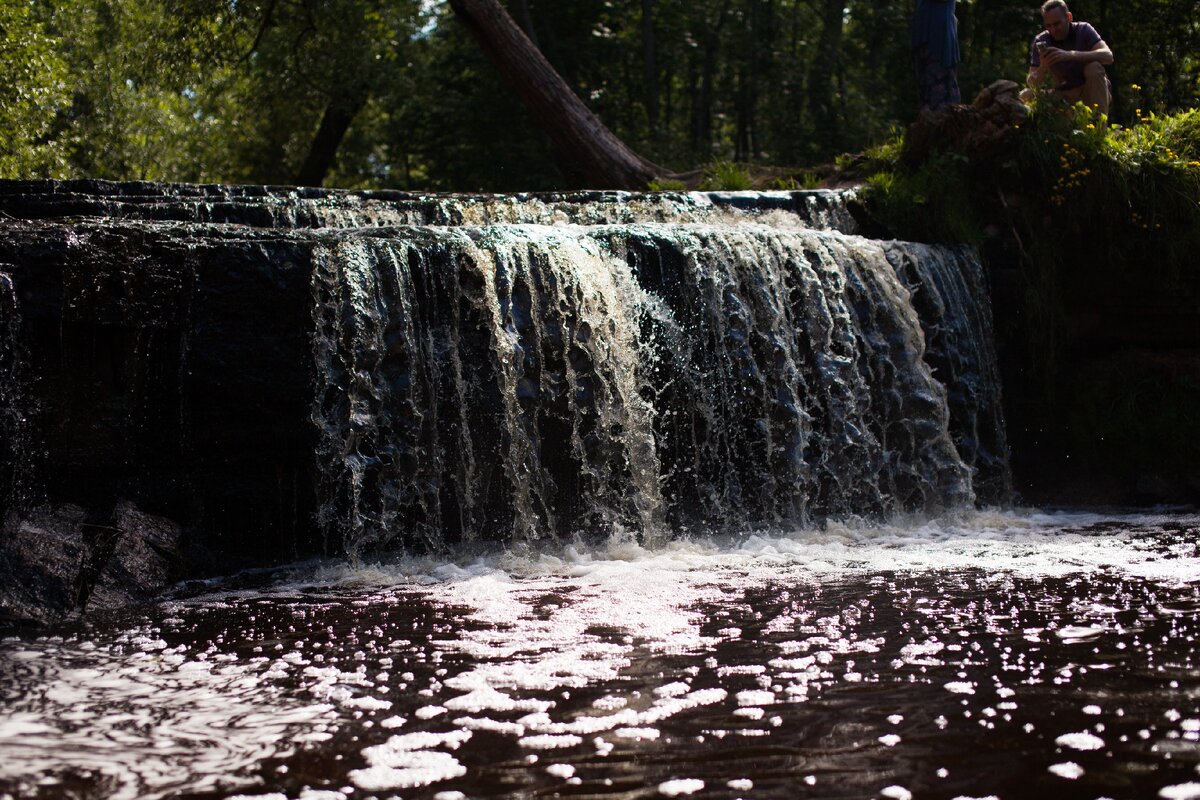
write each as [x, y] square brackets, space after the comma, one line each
[1100, 53]
[1037, 66]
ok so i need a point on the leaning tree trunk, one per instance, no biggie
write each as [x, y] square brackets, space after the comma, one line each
[590, 152]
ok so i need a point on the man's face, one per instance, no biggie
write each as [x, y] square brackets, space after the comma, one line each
[1058, 23]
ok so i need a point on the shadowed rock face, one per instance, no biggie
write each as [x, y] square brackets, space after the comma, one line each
[170, 366]
[310, 374]
[57, 560]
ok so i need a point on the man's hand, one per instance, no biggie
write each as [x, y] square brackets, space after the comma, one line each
[1053, 55]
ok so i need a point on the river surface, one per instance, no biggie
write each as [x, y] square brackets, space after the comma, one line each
[1008, 655]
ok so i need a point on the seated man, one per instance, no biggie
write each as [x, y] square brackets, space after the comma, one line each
[1070, 57]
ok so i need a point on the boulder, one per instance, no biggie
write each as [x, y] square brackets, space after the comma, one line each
[146, 557]
[977, 131]
[56, 563]
[42, 554]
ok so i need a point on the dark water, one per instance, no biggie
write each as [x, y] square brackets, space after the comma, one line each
[1006, 655]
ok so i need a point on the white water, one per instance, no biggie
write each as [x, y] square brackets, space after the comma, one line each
[563, 661]
[524, 382]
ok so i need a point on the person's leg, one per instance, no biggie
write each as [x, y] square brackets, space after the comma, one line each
[1095, 87]
[936, 85]
[1069, 96]
[950, 92]
[940, 86]
[921, 63]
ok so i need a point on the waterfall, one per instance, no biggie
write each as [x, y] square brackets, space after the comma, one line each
[481, 379]
[16, 455]
[949, 291]
[511, 368]
[528, 380]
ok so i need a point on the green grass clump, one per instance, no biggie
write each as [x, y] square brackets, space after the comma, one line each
[934, 203]
[805, 180]
[726, 176]
[666, 185]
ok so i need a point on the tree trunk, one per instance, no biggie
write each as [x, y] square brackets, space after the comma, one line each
[650, 68]
[703, 118]
[334, 123]
[527, 21]
[741, 141]
[821, 75]
[590, 152]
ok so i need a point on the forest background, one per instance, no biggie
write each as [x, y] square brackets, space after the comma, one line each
[236, 91]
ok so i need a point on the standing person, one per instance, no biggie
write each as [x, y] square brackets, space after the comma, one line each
[1069, 56]
[935, 53]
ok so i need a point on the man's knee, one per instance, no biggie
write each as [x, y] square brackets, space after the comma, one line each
[1093, 70]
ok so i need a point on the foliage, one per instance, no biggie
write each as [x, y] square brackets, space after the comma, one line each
[803, 180]
[1073, 209]
[931, 203]
[1072, 179]
[667, 185]
[31, 86]
[234, 90]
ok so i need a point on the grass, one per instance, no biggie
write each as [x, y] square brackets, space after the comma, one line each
[726, 176]
[1119, 187]
[666, 185]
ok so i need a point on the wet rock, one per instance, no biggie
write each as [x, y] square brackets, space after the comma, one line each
[169, 365]
[1154, 488]
[146, 557]
[42, 554]
[56, 562]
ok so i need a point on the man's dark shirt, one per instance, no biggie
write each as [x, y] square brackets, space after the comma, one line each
[1069, 74]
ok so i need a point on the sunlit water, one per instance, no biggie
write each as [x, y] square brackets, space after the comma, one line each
[1007, 655]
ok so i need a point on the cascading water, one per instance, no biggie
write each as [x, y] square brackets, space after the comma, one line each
[521, 367]
[16, 464]
[523, 380]
[290, 207]
[950, 293]
[481, 380]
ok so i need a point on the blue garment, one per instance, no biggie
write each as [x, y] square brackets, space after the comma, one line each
[935, 27]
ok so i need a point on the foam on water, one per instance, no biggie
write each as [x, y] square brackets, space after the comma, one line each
[1024, 543]
[433, 676]
[138, 714]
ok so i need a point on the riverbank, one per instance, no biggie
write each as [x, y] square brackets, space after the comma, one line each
[1090, 235]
